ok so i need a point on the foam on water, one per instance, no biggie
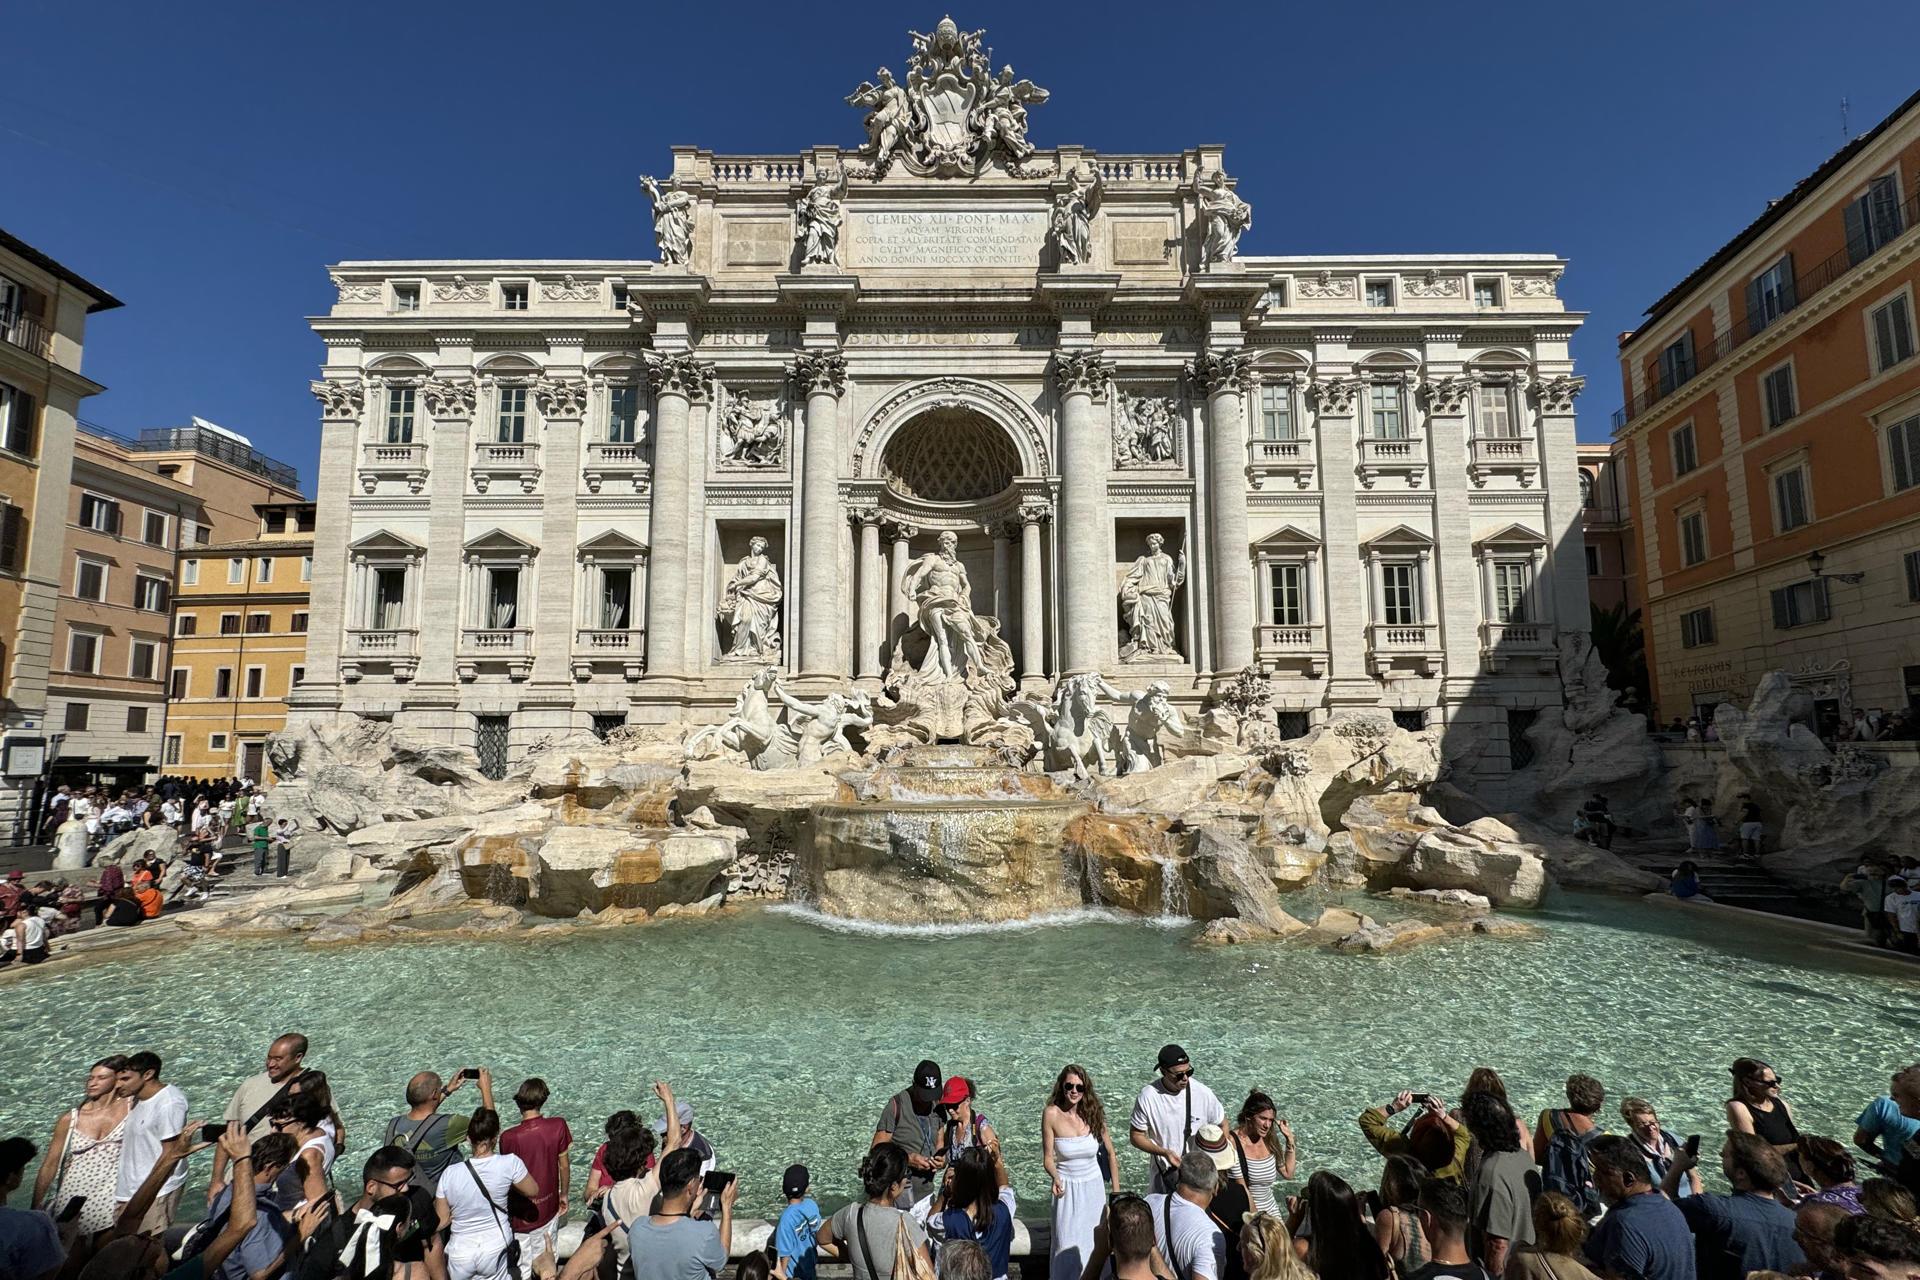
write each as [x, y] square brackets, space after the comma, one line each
[1052, 920]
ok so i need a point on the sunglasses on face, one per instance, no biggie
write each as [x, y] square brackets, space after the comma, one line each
[1074, 1086]
[1185, 1073]
[1773, 1083]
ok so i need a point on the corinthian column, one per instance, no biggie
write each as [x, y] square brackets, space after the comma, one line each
[677, 381]
[1084, 533]
[823, 602]
[1226, 377]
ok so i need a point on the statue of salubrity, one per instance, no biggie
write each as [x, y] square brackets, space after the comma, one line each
[750, 604]
[1146, 596]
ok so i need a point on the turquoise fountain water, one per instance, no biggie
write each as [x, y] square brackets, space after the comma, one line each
[787, 1036]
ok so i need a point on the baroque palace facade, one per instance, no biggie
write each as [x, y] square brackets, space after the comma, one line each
[566, 495]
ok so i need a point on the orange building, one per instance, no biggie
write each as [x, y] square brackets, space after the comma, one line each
[1772, 439]
[1607, 526]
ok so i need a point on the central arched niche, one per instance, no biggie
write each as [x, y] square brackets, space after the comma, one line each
[950, 454]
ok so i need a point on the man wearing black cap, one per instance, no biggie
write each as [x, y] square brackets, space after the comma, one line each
[909, 1120]
[1167, 1113]
[799, 1225]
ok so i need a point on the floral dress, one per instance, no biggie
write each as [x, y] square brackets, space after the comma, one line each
[90, 1168]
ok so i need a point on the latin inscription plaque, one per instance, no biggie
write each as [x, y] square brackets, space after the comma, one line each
[946, 238]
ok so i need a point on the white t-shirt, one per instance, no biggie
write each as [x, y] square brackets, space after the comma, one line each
[470, 1213]
[1161, 1113]
[1905, 907]
[151, 1122]
[1199, 1249]
[36, 933]
[79, 807]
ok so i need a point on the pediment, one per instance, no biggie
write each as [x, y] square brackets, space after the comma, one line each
[1400, 535]
[613, 543]
[381, 542]
[1288, 537]
[502, 541]
[1513, 535]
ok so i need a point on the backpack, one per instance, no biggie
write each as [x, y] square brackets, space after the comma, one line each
[1568, 1169]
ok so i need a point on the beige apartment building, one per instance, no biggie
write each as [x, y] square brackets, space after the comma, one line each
[43, 315]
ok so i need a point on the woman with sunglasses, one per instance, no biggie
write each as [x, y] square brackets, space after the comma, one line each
[1756, 1107]
[1073, 1138]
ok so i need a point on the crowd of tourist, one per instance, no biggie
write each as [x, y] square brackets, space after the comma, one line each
[1468, 1188]
[1865, 724]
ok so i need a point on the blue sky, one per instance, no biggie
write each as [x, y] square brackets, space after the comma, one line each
[206, 161]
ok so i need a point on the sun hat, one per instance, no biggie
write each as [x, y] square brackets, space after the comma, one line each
[1212, 1139]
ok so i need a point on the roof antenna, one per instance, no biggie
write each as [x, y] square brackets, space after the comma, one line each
[1846, 132]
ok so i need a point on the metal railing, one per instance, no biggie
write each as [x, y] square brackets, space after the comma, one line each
[1745, 328]
[29, 333]
[222, 448]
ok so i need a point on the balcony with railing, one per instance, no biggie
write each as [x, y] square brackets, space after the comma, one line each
[1396, 644]
[1488, 456]
[1405, 456]
[1291, 458]
[1798, 292]
[1505, 642]
[510, 648]
[395, 650]
[29, 333]
[517, 462]
[406, 463]
[1302, 649]
[609, 648]
[624, 460]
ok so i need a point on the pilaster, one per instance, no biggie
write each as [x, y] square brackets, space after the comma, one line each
[1444, 395]
[1081, 379]
[1333, 396]
[562, 402]
[449, 402]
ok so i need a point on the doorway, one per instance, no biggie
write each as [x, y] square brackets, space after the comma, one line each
[253, 760]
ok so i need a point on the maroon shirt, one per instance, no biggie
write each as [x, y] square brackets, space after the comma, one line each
[538, 1142]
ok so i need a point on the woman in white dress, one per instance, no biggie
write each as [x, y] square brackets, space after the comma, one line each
[308, 1175]
[1073, 1142]
[83, 1159]
[1263, 1150]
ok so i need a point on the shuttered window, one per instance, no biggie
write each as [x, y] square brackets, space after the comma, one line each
[1903, 444]
[1873, 219]
[19, 421]
[1696, 628]
[1496, 411]
[1770, 295]
[1892, 333]
[1510, 591]
[1801, 604]
[1790, 498]
[1777, 393]
[1677, 363]
[1693, 538]
[1685, 456]
[13, 539]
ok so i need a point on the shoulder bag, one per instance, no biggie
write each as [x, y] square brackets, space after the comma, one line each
[512, 1250]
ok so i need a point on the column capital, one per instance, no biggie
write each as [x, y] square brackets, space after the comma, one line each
[1035, 513]
[901, 532]
[561, 397]
[865, 516]
[1334, 395]
[677, 374]
[449, 399]
[1446, 397]
[820, 372]
[340, 401]
[1555, 394]
[1221, 371]
[1082, 372]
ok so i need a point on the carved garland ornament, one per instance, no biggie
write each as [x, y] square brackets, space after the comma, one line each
[1432, 285]
[946, 393]
[460, 289]
[1534, 286]
[560, 397]
[352, 291]
[1324, 285]
[567, 289]
[340, 400]
[447, 398]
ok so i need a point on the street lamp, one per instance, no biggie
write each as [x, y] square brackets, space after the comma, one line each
[1817, 563]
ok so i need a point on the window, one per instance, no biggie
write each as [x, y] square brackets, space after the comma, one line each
[1412, 719]
[512, 425]
[1287, 598]
[13, 538]
[223, 682]
[298, 624]
[1903, 445]
[605, 722]
[295, 678]
[194, 534]
[1913, 577]
[259, 624]
[1486, 291]
[229, 624]
[1399, 594]
[150, 594]
[216, 742]
[102, 515]
[1777, 395]
[1379, 293]
[1892, 333]
[236, 569]
[1790, 509]
[1874, 218]
[1693, 538]
[513, 297]
[1685, 456]
[1519, 723]
[1510, 591]
[89, 579]
[1276, 413]
[1801, 604]
[399, 415]
[406, 297]
[170, 753]
[190, 573]
[1494, 404]
[1275, 295]
[1696, 628]
[263, 569]
[177, 684]
[153, 529]
[136, 719]
[618, 292]
[623, 412]
[83, 651]
[1770, 295]
[1389, 422]
[1593, 562]
[389, 598]
[503, 598]
[616, 598]
[76, 721]
[256, 681]
[18, 416]
[143, 660]
[306, 568]
[187, 624]
[1586, 489]
[1676, 363]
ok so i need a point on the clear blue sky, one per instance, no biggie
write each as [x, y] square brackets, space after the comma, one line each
[206, 161]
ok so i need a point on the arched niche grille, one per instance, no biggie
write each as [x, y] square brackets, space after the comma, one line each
[950, 455]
